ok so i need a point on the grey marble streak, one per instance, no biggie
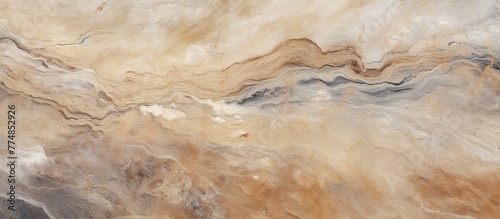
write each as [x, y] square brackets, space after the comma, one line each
[412, 83]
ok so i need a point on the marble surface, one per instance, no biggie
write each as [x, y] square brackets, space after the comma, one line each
[252, 109]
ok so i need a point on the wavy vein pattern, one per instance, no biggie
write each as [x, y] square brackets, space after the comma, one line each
[216, 109]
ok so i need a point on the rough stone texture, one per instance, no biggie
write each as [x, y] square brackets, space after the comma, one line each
[252, 109]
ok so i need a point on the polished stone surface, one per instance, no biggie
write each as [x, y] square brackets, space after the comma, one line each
[249, 109]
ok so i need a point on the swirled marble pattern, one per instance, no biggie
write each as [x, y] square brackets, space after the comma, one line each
[251, 109]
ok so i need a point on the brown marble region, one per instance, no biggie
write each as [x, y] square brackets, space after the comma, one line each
[251, 109]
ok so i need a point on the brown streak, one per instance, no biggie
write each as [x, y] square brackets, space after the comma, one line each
[474, 195]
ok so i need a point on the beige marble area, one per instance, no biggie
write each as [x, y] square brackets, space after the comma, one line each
[251, 109]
